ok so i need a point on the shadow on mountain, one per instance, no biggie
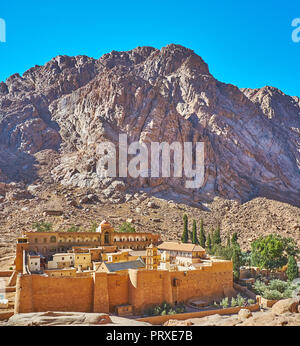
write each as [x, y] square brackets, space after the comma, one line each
[16, 166]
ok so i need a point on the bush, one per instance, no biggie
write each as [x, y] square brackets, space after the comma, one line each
[234, 302]
[272, 294]
[278, 285]
[224, 303]
[42, 226]
[73, 229]
[240, 300]
[165, 309]
[127, 227]
[93, 226]
[251, 301]
[259, 287]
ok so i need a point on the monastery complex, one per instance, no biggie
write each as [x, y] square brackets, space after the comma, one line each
[112, 272]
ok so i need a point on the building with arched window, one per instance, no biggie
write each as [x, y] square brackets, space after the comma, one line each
[105, 235]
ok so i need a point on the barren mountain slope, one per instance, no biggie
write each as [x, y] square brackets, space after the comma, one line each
[52, 117]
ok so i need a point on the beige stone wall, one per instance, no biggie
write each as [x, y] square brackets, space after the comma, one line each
[102, 292]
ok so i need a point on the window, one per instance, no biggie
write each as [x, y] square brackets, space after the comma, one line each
[62, 258]
[36, 240]
[45, 240]
[106, 238]
[53, 239]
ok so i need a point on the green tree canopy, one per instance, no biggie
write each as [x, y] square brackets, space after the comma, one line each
[272, 251]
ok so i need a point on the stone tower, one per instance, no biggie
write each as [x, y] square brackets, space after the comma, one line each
[151, 258]
[22, 244]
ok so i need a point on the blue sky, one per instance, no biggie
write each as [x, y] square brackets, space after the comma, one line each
[246, 43]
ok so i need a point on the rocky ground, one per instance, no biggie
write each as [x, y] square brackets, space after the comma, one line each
[283, 313]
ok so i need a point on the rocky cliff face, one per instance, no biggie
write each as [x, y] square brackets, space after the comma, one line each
[252, 137]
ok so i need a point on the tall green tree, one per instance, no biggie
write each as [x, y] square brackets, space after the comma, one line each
[217, 236]
[228, 241]
[208, 242]
[234, 238]
[202, 235]
[194, 234]
[292, 269]
[236, 262]
[185, 234]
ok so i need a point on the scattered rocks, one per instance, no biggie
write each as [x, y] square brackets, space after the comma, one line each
[173, 323]
[286, 305]
[244, 314]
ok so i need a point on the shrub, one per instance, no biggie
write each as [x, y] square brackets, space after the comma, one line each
[234, 302]
[73, 229]
[251, 301]
[93, 226]
[42, 226]
[272, 294]
[127, 227]
[278, 285]
[224, 303]
[259, 287]
[240, 300]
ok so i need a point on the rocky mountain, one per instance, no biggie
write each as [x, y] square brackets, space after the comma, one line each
[252, 136]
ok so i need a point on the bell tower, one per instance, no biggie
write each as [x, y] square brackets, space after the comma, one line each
[151, 258]
[22, 245]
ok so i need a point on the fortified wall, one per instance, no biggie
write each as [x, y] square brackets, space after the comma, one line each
[102, 292]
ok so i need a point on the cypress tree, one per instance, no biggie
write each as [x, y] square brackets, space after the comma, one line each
[208, 242]
[217, 236]
[236, 262]
[185, 234]
[234, 238]
[292, 269]
[194, 234]
[202, 235]
[228, 241]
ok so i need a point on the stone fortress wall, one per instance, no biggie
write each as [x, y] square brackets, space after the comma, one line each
[102, 292]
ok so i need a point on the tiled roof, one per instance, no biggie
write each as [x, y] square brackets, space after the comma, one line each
[185, 247]
[114, 267]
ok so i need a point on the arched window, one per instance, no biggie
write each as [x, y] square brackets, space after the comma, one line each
[53, 239]
[106, 237]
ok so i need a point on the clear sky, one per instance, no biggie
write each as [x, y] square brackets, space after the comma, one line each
[246, 43]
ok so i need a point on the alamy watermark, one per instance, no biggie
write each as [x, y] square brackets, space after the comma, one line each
[163, 160]
[296, 32]
[2, 30]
